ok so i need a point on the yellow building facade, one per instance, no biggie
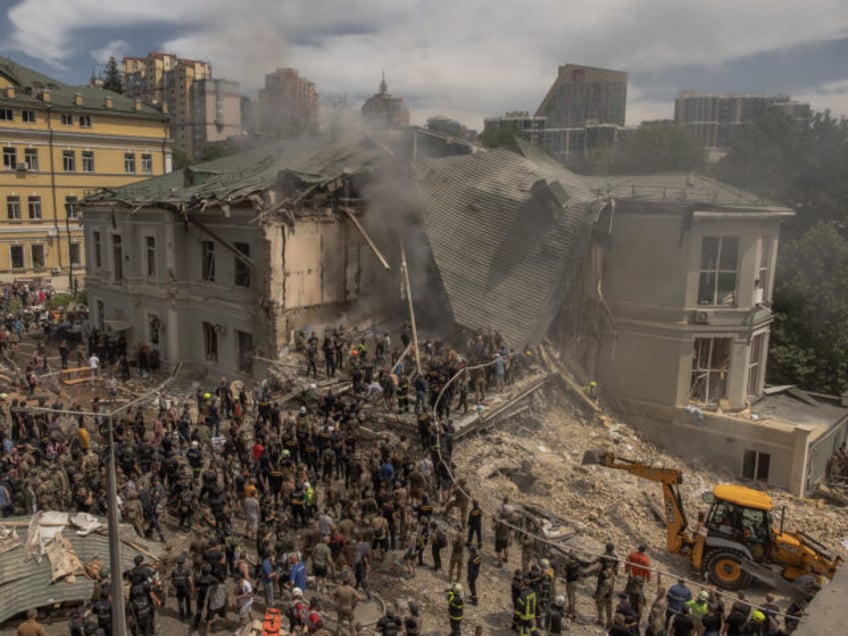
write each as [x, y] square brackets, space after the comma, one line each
[60, 143]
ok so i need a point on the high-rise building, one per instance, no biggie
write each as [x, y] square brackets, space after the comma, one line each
[61, 143]
[715, 119]
[288, 105]
[584, 94]
[163, 78]
[383, 110]
[216, 111]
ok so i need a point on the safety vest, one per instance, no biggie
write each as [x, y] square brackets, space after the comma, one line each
[527, 605]
[455, 606]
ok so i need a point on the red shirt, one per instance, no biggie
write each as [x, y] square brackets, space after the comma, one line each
[258, 449]
[638, 564]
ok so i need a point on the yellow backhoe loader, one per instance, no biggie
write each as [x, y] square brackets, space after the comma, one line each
[736, 540]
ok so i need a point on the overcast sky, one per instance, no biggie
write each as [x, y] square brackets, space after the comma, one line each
[467, 59]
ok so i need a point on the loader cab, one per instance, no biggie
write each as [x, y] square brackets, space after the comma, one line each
[740, 515]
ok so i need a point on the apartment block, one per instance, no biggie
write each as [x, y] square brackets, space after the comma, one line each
[59, 144]
[202, 109]
[583, 94]
[716, 119]
[288, 105]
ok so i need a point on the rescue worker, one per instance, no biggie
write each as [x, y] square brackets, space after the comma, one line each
[456, 555]
[389, 624]
[456, 606]
[526, 610]
[183, 587]
[473, 569]
[555, 618]
[638, 569]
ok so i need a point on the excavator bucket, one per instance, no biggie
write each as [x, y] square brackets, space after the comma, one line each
[593, 457]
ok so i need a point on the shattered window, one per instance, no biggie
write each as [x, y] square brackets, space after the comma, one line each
[710, 366]
[210, 342]
[208, 265]
[242, 268]
[717, 283]
[245, 352]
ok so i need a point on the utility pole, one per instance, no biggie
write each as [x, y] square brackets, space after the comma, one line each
[119, 616]
[405, 271]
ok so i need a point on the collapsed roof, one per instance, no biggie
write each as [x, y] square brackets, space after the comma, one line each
[244, 177]
[507, 233]
[37, 570]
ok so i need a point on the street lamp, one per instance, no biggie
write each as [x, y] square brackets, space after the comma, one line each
[71, 208]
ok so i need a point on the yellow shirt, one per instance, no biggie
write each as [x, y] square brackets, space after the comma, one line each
[84, 438]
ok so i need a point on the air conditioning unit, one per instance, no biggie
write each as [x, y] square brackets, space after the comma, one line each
[21, 167]
[55, 271]
[701, 317]
[52, 232]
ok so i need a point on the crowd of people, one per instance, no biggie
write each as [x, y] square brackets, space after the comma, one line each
[291, 507]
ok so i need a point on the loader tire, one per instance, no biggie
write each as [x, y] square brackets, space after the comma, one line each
[724, 569]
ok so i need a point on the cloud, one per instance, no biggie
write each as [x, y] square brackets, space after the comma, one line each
[831, 96]
[474, 56]
[115, 48]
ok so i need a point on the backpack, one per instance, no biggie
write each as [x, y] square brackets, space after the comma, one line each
[181, 576]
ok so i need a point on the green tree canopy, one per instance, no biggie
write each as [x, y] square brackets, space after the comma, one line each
[803, 167]
[495, 137]
[809, 343]
[112, 79]
[661, 147]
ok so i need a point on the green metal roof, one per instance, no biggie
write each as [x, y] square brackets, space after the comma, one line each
[234, 178]
[30, 83]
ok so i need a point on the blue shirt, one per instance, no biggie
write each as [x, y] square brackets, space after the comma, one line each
[297, 576]
[267, 570]
[677, 596]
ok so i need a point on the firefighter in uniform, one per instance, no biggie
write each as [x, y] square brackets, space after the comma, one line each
[456, 605]
[526, 610]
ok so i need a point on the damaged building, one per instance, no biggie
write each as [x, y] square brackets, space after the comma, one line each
[656, 287]
[215, 266]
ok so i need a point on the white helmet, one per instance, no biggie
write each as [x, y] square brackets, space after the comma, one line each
[297, 592]
[457, 588]
[195, 444]
[303, 410]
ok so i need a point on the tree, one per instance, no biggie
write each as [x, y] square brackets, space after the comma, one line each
[112, 76]
[662, 147]
[809, 343]
[804, 167]
[179, 159]
[497, 137]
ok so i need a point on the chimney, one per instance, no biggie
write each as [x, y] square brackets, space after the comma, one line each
[77, 99]
[10, 92]
[107, 102]
[45, 96]
[137, 105]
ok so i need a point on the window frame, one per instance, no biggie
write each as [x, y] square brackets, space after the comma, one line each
[87, 157]
[147, 164]
[7, 114]
[13, 208]
[10, 158]
[210, 342]
[241, 275]
[31, 158]
[75, 262]
[32, 250]
[85, 121]
[129, 163]
[207, 263]
[28, 116]
[12, 250]
[34, 205]
[150, 255]
[97, 247]
[67, 119]
[69, 161]
[710, 274]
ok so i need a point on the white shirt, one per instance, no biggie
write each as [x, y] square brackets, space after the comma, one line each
[94, 361]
